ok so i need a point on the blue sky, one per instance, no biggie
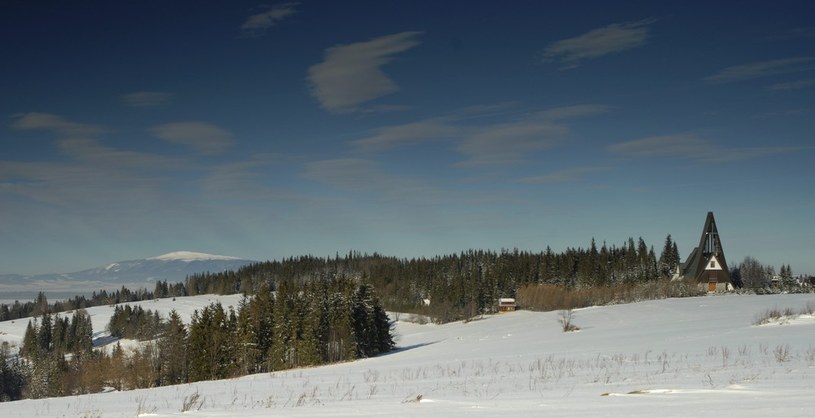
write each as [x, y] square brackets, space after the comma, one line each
[266, 130]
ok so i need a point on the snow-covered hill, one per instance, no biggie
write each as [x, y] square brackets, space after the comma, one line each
[699, 357]
[172, 267]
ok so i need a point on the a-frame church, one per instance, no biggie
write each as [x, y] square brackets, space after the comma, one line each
[706, 264]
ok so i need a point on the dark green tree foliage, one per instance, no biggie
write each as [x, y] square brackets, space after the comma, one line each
[80, 333]
[211, 345]
[30, 345]
[45, 346]
[753, 273]
[58, 335]
[325, 320]
[172, 348]
[45, 333]
[256, 331]
[371, 324]
[669, 258]
[787, 280]
[134, 322]
[12, 375]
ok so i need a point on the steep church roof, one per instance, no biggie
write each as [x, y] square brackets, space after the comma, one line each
[698, 265]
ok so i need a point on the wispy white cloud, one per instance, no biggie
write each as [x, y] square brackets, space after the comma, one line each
[57, 125]
[571, 112]
[762, 69]
[202, 136]
[353, 174]
[792, 85]
[146, 98]
[598, 42]
[784, 113]
[692, 147]
[93, 183]
[365, 176]
[259, 22]
[480, 143]
[351, 75]
[508, 143]
[91, 151]
[246, 179]
[407, 134]
[676, 146]
[748, 153]
[564, 176]
[799, 32]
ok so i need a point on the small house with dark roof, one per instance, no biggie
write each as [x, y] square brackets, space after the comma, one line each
[706, 264]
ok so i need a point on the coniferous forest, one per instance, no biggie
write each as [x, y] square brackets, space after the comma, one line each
[299, 324]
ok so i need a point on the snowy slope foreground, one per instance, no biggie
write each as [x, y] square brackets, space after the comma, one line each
[699, 357]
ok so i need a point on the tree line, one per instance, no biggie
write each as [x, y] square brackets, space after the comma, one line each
[457, 286]
[40, 304]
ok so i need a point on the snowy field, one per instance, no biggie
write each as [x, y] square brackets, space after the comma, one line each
[693, 357]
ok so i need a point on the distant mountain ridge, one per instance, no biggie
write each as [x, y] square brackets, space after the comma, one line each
[172, 267]
[191, 256]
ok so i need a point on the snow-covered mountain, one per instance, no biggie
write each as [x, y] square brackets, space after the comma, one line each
[172, 267]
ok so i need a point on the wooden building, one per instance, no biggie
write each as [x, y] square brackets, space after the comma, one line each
[506, 305]
[706, 264]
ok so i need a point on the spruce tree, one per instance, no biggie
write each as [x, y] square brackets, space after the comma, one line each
[44, 339]
[172, 347]
[198, 345]
[30, 345]
[668, 260]
[82, 333]
[12, 375]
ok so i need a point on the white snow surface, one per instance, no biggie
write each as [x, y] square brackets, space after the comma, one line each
[692, 357]
[191, 256]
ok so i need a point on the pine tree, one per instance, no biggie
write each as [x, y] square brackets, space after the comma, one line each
[198, 345]
[172, 348]
[383, 338]
[675, 255]
[30, 345]
[341, 345]
[82, 333]
[280, 353]
[12, 375]
[669, 259]
[786, 276]
[44, 339]
[211, 344]
[249, 355]
[363, 321]
[310, 342]
[261, 314]
[60, 334]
